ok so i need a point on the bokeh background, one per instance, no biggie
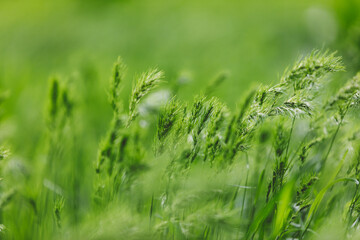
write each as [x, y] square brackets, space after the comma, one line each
[193, 41]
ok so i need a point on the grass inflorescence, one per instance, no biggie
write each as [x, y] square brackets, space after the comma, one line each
[283, 164]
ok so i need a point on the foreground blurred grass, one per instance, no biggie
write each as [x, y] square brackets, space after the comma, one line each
[190, 40]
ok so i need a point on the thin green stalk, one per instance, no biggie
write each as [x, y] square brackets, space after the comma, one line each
[244, 196]
[334, 136]
[352, 205]
[246, 183]
[298, 148]
[332, 142]
[151, 210]
[291, 131]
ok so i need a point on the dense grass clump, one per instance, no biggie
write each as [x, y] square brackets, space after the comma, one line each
[284, 164]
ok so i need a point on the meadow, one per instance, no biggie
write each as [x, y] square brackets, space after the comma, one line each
[179, 120]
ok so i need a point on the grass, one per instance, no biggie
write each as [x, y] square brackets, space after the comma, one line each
[283, 164]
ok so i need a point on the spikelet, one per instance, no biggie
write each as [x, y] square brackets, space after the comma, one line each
[145, 83]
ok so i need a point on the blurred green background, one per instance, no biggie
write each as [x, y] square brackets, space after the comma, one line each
[78, 40]
[252, 41]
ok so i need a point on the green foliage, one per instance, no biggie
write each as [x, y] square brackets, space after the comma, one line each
[199, 169]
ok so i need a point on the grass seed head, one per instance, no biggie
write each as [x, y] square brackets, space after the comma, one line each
[145, 83]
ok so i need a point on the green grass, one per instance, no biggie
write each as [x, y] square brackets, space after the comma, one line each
[283, 164]
[209, 128]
